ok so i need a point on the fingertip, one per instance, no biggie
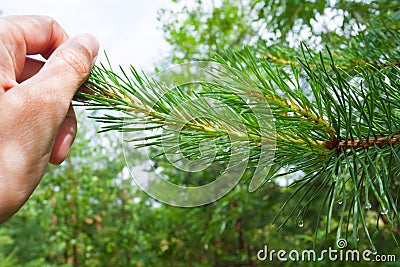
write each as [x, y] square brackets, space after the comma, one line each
[61, 148]
[64, 138]
[90, 43]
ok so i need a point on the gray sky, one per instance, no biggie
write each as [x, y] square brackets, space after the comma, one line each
[126, 30]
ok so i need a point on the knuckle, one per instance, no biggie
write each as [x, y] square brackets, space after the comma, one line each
[42, 21]
[77, 59]
[6, 27]
[46, 19]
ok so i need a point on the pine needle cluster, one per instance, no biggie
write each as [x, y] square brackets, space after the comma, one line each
[334, 120]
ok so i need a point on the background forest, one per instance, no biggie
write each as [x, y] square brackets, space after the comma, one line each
[89, 212]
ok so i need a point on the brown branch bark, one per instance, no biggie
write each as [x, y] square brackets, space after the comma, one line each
[385, 65]
[395, 229]
[238, 227]
[367, 143]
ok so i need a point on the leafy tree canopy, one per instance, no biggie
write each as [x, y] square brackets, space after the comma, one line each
[198, 29]
[329, 72]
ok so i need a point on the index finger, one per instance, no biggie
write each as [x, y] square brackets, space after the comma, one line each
[37, 34]
[27, 35]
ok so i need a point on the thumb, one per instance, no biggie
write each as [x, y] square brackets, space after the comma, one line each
[51, 90]
[67, 68]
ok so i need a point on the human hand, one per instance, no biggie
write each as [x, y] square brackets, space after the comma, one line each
[37, 122]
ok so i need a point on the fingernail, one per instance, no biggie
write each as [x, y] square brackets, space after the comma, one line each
[65, 146]
[90, 43]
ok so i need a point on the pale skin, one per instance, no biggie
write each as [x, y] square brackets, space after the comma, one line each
[37, 122]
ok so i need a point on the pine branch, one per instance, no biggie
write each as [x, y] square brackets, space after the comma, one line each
[340, 128]
[368, 48]
[365, 144]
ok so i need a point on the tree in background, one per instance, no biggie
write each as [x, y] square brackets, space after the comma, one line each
[335, 108]
[200, 29]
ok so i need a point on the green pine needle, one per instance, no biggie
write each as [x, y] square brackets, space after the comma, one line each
[337, 124]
